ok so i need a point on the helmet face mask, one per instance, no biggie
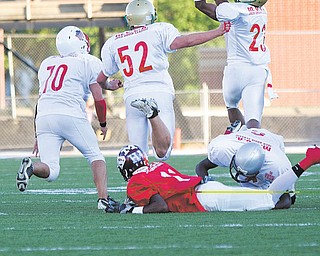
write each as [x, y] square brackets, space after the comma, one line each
[140, 13]
[71, 41]
[257, 3]
[131, 158]
[247, 162]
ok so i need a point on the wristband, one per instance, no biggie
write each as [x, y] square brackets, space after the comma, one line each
[298, 170]
[138, 210]
[104, 124]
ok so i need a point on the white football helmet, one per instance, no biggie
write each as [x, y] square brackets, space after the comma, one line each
[257, 3]
[140, 13]
[247, 161]
[71, 41]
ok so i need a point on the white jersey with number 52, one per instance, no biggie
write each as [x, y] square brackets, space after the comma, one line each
[246, 38]
[141, 57]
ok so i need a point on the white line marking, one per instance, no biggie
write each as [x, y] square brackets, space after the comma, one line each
[68, 191]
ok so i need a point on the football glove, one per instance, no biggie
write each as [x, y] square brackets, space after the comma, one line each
[312, 157]
[126, 208]
[112, 205]
[206, 179]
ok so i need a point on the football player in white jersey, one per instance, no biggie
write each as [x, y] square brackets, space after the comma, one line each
[246, 73]
[65, 81]
[229, 151]
[140, 55]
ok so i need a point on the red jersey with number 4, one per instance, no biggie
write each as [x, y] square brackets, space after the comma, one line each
[178, 190]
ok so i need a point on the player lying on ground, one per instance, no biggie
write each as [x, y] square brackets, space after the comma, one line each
[159, 187]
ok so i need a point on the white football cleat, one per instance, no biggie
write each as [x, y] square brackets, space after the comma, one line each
[24, 174]
[234, 127]
[107, 203]
[148, 106]
[102, 203]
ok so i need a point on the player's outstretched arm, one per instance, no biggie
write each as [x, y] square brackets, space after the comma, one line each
[199, 38]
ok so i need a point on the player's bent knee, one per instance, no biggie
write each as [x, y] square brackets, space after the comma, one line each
[164, 155]
[99, 157]
[54, 173]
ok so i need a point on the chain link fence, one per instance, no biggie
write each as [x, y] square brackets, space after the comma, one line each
[200, 113]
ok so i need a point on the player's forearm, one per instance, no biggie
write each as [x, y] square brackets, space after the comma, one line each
[157, 205]
[221, 1]
[102, 80]
[101, 110]
[201, 171]
[208, 9]
[203, 167]
[195, 39]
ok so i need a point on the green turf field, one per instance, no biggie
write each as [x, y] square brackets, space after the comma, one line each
[61, 218]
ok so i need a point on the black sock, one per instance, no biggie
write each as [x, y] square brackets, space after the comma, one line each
[30, 171]
[297, 170]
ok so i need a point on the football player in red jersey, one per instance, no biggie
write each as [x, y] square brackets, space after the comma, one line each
[158, 187]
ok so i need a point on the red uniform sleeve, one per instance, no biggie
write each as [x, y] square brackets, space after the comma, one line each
[101, 110]
[140, 189]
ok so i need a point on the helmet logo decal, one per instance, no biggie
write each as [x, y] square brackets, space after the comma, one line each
[79, 34]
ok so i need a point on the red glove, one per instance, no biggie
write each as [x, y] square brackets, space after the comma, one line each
[312, 157]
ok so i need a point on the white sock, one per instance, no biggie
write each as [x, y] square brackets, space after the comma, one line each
[281, 184]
